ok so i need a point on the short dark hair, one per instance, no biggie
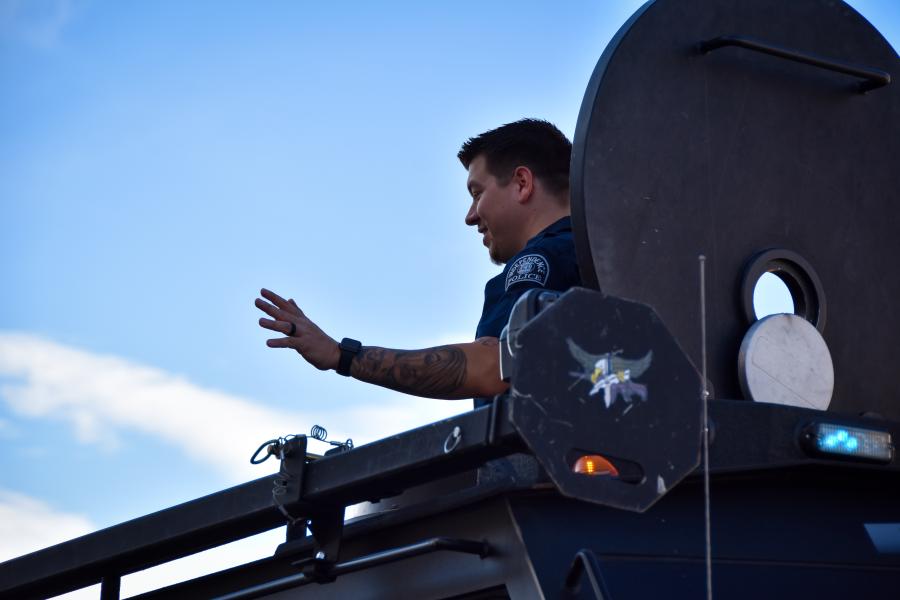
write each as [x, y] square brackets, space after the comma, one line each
[532, 143]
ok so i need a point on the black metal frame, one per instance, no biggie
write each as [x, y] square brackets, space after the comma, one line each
[317, 492]
[328, 484]
[328, 572]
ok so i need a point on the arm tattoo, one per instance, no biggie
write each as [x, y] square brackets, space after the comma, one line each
[434, 372]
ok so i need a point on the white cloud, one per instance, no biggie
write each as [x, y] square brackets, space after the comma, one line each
[27, 524]
[104, 398]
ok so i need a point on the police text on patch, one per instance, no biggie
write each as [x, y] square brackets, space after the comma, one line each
[531, 267]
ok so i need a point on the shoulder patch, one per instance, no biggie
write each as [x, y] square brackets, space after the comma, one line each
[531, 267]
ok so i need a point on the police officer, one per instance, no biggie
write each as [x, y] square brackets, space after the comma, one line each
[519, 183]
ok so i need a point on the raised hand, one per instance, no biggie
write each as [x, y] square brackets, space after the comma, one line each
[304, 336]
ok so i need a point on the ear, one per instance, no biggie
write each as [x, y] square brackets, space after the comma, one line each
[523, 179]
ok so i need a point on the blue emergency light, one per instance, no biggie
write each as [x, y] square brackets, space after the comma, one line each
[831, 440]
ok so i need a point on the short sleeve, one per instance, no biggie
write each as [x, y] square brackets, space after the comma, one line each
[525, 272]
[495, 316]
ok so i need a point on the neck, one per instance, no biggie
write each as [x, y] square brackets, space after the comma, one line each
[539, 221]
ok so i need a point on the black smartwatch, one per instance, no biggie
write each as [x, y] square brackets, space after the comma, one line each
[349, 349]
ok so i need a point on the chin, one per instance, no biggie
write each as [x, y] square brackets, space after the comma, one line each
[496, 257]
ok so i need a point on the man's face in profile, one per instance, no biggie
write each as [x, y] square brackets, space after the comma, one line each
[492, 211]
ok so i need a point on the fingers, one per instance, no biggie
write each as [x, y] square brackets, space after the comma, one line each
[273, 311]
[284, 342]
[302, 335]
[279, 314]
[288, 305]
[278, 326]
[282, 321]
[273, 298]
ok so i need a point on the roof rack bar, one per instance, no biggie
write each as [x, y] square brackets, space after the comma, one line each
[368, 472]
[390, 555]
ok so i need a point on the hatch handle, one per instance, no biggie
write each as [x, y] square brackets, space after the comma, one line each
[874, 78]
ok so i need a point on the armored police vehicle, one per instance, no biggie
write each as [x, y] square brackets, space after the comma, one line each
[663, 440]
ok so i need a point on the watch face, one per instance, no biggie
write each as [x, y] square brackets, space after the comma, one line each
[350, 344]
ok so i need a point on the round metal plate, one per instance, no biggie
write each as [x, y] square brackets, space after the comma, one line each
[784, 360]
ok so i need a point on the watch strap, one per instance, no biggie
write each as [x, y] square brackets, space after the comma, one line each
[349, 349]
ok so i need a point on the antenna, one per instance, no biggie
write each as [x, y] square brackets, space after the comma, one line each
[702, 264]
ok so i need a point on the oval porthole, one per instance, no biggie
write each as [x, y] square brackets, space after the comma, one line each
[771, 296]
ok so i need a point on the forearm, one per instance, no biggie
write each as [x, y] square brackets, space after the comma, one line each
[454, 371]
[448, 372]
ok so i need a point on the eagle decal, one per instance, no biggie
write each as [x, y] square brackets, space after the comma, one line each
[611, 374]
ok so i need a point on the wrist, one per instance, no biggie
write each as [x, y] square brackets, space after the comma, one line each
[348, 349]
[336, 360]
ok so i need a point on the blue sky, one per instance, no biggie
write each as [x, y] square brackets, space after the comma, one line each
[162, 161]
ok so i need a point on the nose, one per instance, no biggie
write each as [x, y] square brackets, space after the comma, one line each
[472, 217]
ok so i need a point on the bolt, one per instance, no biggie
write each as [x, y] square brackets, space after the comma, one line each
[320, 555]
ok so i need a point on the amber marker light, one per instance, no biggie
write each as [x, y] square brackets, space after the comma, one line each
[594, 464]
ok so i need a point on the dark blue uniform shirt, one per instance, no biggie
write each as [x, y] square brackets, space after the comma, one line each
[547, 261]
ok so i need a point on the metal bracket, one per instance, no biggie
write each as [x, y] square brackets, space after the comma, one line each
[317, 569]
[326, 524]
[327, 528]
[288, 484]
